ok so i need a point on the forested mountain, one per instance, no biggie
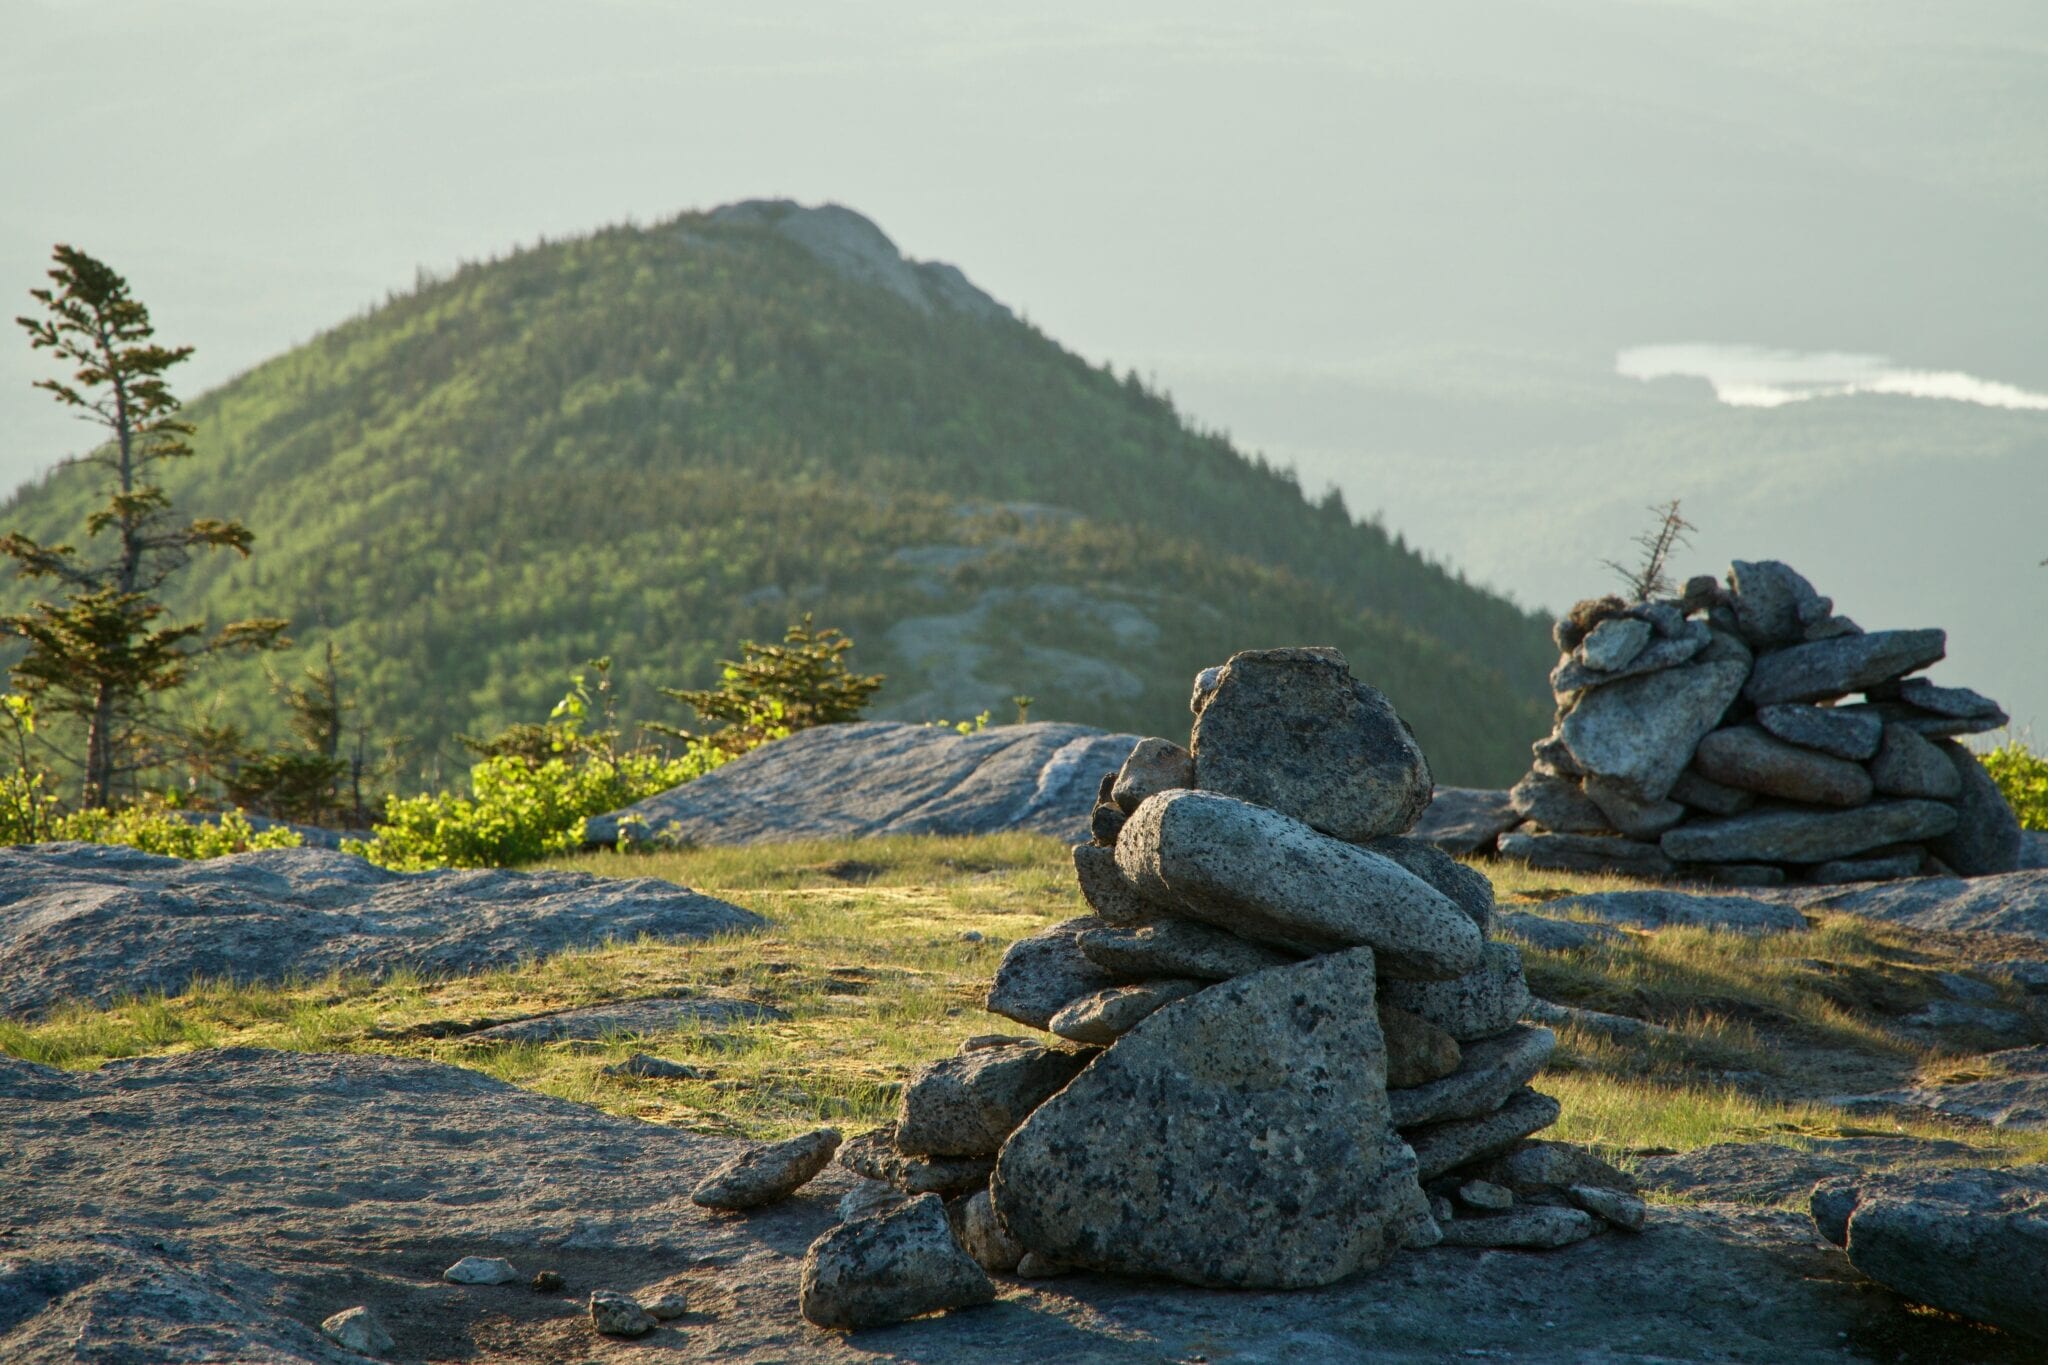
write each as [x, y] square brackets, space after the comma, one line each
[652, 442]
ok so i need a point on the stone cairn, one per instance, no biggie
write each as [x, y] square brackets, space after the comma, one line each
[1708, 737]
[1284, 1047]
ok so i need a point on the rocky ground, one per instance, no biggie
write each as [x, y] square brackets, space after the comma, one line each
[222, 1204]
[203, 1201]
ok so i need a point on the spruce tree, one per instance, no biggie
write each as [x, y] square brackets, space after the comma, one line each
[106, 653]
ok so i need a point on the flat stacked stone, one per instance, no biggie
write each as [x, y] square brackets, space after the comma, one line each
[1746, 734]
[1281, 1020]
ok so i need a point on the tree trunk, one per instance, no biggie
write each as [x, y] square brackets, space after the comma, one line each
[99, 748]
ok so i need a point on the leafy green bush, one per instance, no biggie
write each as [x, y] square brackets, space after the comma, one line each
[520, 811]
[156, 828]
[2022, 775]
[533, 789]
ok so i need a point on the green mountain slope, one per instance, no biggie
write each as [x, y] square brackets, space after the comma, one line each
[653, 442]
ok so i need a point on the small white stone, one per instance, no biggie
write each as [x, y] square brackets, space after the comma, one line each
[480, 1270]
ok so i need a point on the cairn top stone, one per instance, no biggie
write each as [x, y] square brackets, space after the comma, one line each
[1292, 729]
[1773, 602]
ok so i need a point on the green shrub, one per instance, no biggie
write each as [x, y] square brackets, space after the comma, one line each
[2022, 775]
[156, 828]
[521, 811]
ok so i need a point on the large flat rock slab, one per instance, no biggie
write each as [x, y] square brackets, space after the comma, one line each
[887, 777]
[2006, 1089]
[94, 922]
[235, 1199]
[2009, 903]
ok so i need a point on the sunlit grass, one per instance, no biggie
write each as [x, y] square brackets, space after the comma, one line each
[1622, 1117]
[878, 953]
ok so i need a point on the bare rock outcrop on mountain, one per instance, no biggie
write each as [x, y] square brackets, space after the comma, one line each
[885, 777]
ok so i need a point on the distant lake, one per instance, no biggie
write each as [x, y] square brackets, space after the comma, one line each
[1762, 377]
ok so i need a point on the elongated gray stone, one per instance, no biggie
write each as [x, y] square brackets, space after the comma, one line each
[1641, 732]
[1826, 729]
[1108, 1014]
[1266, 877]
[1986, 836]
[1871, 867]
[1291, 729]
[1170, 946]
[1537, 1227]
[889, 1268]
[1558, 804]
[1483, 1002]
[1445, 1146]
[1571, 675]
[767, 1173]
[1489, 1072]
[1240, 1140]
[1808, 836]
[1545, 1170]
[1636, 818]
[1661, 909]
[966, 1104]
[1967, 1241]
[1908, 764]
[1753, 759]
[1587, 853]
[1613, 643]
[1625, 1211]
[1465, 820]
[1702, 793]
[1961, 703]
[1467, 887]
[1112, 898]
[875, 1156]
[1837, 667]
[1039, 975]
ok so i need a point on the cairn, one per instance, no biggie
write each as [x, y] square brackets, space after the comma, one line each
[1284, 1048]
[1709, 737]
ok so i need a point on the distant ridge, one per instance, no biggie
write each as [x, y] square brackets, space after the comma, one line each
[653, 442]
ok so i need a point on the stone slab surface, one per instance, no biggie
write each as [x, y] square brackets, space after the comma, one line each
[2009, 903]
[888, 777]
[95, 922]
[234, 1200]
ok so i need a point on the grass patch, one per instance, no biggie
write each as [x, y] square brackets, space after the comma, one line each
[878, 952]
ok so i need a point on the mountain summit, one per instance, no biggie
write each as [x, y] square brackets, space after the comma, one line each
[653, 442]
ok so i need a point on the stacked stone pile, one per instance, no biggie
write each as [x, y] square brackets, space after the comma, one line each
[1746, 733]
[1284, 1048]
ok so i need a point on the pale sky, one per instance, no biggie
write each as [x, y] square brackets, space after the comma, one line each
[1398, 245]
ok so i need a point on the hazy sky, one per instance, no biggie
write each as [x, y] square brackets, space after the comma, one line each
[1338, 231]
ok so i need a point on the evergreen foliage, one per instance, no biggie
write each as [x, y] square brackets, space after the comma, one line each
[105, 654]
[652, 442]
[772, 691]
